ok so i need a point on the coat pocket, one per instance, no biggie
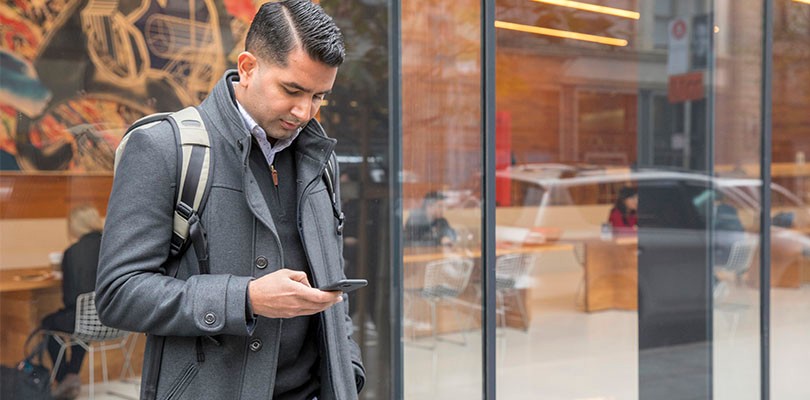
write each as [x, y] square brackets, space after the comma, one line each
[181, 383]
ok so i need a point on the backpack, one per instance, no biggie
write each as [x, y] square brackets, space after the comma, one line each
[194, 183]
[30, 379]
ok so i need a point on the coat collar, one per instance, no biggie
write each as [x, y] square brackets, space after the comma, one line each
[222, 111]
[312, 151]
[312, 148]
[311, 144]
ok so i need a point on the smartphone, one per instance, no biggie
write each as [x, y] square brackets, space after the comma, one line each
[345, 285]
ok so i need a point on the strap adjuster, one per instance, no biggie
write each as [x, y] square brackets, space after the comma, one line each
[184, 210]
[340, 218]
[176, 244]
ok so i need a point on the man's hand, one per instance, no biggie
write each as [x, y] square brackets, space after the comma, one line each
[287, 293]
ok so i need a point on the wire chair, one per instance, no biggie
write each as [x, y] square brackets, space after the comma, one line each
[93, 336]
[445, 280]
[511, 271]
[739, 258]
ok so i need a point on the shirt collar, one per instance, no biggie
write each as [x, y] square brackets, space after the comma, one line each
[260, 135]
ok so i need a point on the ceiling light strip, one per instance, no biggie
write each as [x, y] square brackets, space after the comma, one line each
[596, 8]
[802, 1]
[562, 34]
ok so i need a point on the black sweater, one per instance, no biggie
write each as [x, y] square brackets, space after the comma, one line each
[79, 267]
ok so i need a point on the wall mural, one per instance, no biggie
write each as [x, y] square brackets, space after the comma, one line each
[75, 73]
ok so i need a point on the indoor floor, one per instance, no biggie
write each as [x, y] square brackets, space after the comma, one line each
[568, 354]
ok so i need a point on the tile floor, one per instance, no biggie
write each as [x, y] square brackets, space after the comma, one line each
[568, 354]
[571, 355]
[114, 390]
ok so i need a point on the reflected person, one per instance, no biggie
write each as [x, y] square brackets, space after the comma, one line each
[426, 225]
[623, 216]
[728, 228]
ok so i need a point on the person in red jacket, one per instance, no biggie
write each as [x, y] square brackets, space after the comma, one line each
[623, 215]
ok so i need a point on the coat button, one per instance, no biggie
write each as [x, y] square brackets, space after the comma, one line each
[261, 262]
[210, 318]
[255, 345]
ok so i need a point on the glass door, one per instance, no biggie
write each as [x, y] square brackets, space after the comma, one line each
[790, 194]
[441, 203]
[628, 199]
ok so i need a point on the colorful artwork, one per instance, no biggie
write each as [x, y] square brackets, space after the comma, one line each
[77, 73]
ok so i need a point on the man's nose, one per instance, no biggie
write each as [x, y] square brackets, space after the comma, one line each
[302, 109]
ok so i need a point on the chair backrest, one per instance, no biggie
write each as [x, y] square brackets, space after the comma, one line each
[88, 326]
[740, 256]
[512, 269]
[447, 278]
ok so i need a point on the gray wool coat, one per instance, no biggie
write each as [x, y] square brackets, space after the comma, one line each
[134, 293]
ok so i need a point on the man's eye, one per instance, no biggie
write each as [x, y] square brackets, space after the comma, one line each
[290, 91]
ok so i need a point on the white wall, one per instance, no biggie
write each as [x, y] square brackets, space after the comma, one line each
[25, 243]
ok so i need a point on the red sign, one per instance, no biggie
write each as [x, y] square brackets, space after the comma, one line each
[679, 29]
[503, 156]
[686, 87]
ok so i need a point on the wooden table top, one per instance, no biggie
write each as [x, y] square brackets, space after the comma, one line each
[426, 254]
[804, 229]
[22, 279]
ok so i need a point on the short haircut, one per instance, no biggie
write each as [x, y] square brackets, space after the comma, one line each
[83, 220]
[279, 27]
[432, 198]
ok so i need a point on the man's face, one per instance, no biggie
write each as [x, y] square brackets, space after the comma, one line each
[435, 210]
[283, 99]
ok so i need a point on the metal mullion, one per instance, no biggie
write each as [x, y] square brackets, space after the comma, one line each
[765, 211]
[488, 313]
[397, 390]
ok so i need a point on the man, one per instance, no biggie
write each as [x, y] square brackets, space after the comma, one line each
[255, 327]
[426, 226]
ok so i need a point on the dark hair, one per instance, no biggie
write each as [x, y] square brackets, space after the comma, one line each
[432, 197]
[624, 194]
[280, 27]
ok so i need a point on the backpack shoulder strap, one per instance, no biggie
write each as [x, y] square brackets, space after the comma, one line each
[142, 123]
[193, 180]
[329, 176]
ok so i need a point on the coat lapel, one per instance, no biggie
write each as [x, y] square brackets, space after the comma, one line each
[312, 151]
[256, 201]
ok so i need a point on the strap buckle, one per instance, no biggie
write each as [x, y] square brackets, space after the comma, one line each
[341, 218]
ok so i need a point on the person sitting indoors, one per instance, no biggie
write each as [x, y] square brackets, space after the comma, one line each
[79, 266]
[623, 217]
[728, 228]
[426, 225]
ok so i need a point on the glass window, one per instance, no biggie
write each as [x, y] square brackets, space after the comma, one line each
[441, 204]
[663, 15]
[790, 248]
[618, 218]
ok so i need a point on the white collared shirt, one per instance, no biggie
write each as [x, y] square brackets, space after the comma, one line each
[268, 149]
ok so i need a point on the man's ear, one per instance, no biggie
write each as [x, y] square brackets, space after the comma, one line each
[246, 64]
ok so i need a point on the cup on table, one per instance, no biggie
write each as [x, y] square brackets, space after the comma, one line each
[55, 258]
